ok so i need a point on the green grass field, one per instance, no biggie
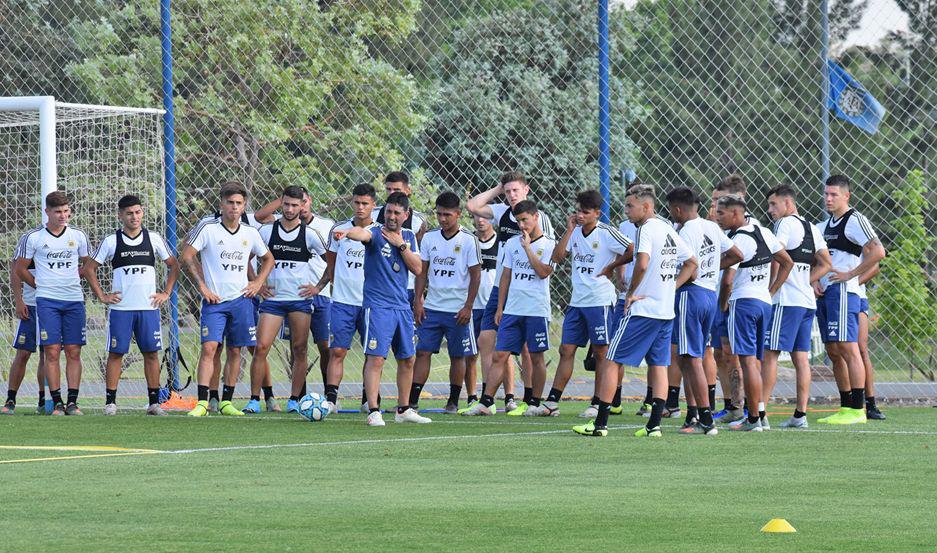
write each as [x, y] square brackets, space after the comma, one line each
[278, 483]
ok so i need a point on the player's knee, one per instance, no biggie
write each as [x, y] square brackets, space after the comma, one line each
[73, 353]
[568, 350]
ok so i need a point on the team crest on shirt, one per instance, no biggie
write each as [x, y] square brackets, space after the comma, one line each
[595, 245]
[244, 243]
[539, 252]
[71, 243]
[43, 334]
[113, 343]
[458, 248]
[372, 344]
[21, 339]
[204, 331]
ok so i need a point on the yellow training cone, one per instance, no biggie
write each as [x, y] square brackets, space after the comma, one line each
[778, 525]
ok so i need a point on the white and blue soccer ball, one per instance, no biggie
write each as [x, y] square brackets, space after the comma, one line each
[312, 407]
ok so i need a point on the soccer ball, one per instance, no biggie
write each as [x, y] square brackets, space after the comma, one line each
[312, 408]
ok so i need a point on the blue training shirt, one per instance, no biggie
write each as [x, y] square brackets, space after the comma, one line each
[385, 273]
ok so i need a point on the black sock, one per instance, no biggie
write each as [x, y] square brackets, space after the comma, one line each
[42, 397]
[268, 392]
[752, 419]
[762, 415]
[374, 410]
[870, 402]
[594, 400]
[706, 416]
[649, 395]
[691, 413]
[616, 400]
[73, 395]
[202, 393]
[294, 398]
[729, 405]
[255, 398]
[858, 398]
[331, 393]
[364, 396]
[844, 398]
[712, 396]
[528, 395]
[507, 397]
[487, 400]
[415, 390]
[378, 399]
[56, 396]
[303, 391]
[152, 396]
[212, 394]
[454, 392]
[555, 395]
[799, 414]
[657, 410]
[484, 386]
[110, 396]
[472, 398]
[601, 420]
[673, 397]
[534, 401]
[401, 409]
[11, 396]
[227, 393]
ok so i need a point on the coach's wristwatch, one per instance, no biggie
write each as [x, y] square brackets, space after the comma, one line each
[402, 247]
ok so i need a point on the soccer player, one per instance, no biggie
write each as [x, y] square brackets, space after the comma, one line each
[134, 302]
[291, 288]
[450, 277]
[696, 304]
[597, 250]
[644, 332]
[524, 309]
[488, 242]
[515, 189]
[795, 304]
[25, 340]
[390, 252]
[224, 249]
[56, 250]
[854, 249]
[345, 270]
[747, 290]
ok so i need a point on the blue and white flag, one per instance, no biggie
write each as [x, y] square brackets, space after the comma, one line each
[851, 102]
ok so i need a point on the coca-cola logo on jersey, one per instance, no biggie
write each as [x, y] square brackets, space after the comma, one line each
[670, 263]
[359, 252]
[447, 261]
[64, 254]
[584, 258]
[232, 255]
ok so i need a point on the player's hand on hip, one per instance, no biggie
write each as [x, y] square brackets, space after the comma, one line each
[308, 290]
[266, 292]
[817, 291]
[209, 296]
[839, 276]
[631, 300]
[158, 299]
[252, 289]
[463, 316]
[110, 299]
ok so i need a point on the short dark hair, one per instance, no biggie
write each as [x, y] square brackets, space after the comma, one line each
[295, 192]
[683, 196]
[643, 191]
[231, 188]
[732, 200]
[733, 184]
[448, 200]
[364, 189]
[512, 176]
[397, 176]
[129, 200]
[589, 199]
[56, 199]
[400, 199]
[785, 190]
[838, 180]
[525, 206]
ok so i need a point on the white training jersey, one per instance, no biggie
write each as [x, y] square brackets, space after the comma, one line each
[753, 274]
[225, 255]
[133, 262]
[489, 257]
[629, 231]
[56, 258]
[797, 290]
[323, 226]
[448, 272]
[863, 293]
[590, 254]
[348, 277]
[29, 293]
[507, 228]
[660, 241]
[708, 242]
[528, 294]
[845, 236]
[749, 220]
[292, 255]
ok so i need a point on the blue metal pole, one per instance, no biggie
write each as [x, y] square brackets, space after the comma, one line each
[825, 96]
[605, 174]
[169, 147]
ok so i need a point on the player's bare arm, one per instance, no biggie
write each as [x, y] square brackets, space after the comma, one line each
[730, 257]
[559, 252]
[872, 252]
[475, 277]
[503, 286]
[22, 270]
[865, 277]
[543, 270]
[22, 311]
[725, 288]
[419, 287]
[612, 269]
[640, 269]
[478, 204]
[159, 298]
[90, 273]
[192, 265]
[687, 272]
[254, 286]
[785, 265]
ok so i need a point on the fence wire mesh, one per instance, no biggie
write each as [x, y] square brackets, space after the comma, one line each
[328, 94]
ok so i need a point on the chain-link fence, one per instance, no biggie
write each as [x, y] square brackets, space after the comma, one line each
[331, 93]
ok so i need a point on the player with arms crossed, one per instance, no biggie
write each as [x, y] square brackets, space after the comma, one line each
[134, 302]
[224, 249]
[644, 332]
[56, 250]
[390, 252]
[450, 276]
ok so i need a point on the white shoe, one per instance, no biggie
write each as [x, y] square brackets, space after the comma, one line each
[110, 409]
[765, 425]
[156, 411]
[375, 419]
[591, 412]
[795, 422]
[329, 407]
[510, 406]
[411, 416]
[737, 423]
[478, 410]
[536, 411]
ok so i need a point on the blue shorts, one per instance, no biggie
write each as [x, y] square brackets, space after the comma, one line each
[720, 328]
[641, 339]
[319, 325]
[284, 308]
[695, 309]
[60, 322]
[864, 306]
[617, 315]
[748, 324]
[491, 308]
[517, 330]
[142, 325]
[838, 314]
[460, 339]
[583, 325]
[790, 328]
[344, 320]
[230, 321]
[386, 329]
[477, 316]
[26, 331]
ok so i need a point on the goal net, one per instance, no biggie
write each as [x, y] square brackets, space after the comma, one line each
[99, 153]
